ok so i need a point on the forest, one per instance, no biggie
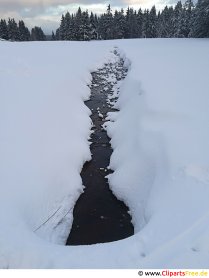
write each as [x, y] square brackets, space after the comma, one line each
[179, 21]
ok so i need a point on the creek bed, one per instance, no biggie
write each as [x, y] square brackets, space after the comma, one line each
[98, 215]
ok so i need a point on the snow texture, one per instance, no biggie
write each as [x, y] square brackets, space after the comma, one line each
[159, 136]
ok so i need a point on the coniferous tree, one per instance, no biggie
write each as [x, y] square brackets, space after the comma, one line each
[37, 34]
[13, 31]
[3, 30]
[73, 28]
[145, 24]
[105, 25]
[176, 19]
[165, 24]
[200, 24]
[119, 25]
[107, 22]
[128, 24]
[152, 24]
[185, 20]
[57, 34]
[86, 30]
[24, 33]
[93, 23]
[53, 36]
[62, 29]
[131, 23]
[180, 21]
[101, 28]
[139, 22]
[78, 25]
[67, 32]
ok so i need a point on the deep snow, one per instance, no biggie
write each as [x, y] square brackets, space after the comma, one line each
[160, 138]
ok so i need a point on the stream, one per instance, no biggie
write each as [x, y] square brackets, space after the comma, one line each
[98, 215]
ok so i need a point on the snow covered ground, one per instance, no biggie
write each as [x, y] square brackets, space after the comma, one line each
[160, 139]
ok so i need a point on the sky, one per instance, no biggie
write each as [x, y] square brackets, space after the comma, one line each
[47, 13]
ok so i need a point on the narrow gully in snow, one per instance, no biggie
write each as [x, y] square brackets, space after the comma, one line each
[98, 215]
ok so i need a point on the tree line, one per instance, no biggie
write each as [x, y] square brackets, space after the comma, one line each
[11, 30]
[181, 21]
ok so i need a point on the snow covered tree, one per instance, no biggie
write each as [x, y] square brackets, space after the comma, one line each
[131, 24]
[119, 24]
[145, 23]
[85, 26]
[67, 30]
[3, 30]
[108, 32]
[93, 23]
[151, 28]
[165, 23]
[78, 30]
[37, 34]
[62, 28]
[185, 20]
[139, 23]
[73, 28]
[176, 19]
[24, 33]
[13, 31]
[200, 24]
[57, 34]
[179, 21]
[53, 36]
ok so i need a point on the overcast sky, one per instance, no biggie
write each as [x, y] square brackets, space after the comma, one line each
[47, 13]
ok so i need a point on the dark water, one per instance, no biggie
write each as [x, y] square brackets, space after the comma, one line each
[98, 215]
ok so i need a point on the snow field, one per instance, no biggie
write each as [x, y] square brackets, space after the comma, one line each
[160, 144]
[160, 160]
[44, 130]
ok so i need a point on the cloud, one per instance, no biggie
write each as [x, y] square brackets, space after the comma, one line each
[19, 4]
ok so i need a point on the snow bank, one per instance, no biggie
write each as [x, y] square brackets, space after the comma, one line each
[160, 140]
[159, 137]
[44, 127]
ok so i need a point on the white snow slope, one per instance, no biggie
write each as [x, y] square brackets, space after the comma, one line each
[160, 139]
